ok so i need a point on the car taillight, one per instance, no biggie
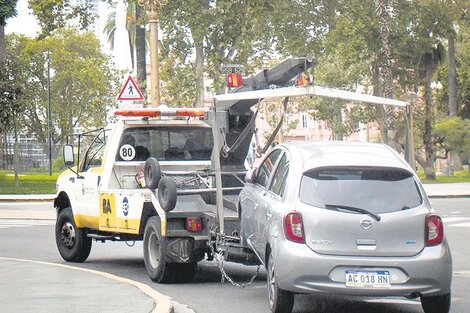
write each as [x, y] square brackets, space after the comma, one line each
[293, 227]
[193, 224]
[434, 230]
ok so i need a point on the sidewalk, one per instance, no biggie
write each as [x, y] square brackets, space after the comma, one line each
[54, 288]
[451, 190]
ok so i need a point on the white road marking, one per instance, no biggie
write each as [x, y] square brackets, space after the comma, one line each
[460, 225]
[462, 273]
[20, 223]
[454, 219]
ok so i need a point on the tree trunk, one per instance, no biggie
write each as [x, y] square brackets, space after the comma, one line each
[140, 49]
[455, 161]
[199, 72]
[428, 133]
[386, 65]
[452, 76]
[16, 154]
[2, 44]
[379, 109]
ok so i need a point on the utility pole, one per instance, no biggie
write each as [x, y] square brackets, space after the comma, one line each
[152, 6]
[49, 133]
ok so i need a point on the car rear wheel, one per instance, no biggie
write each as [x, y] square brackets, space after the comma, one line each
[436, 304]
[72, 242]
[280, 301]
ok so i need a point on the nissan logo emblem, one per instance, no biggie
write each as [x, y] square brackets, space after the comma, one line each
[366, 224]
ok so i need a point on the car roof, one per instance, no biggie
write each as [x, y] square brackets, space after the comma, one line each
[313, 154]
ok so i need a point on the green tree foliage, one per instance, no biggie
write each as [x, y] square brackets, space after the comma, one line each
[453, 135]
[7, 10]
[54, 14]
[462, 45]
[202, 35]
[83, 85]
[11, 89]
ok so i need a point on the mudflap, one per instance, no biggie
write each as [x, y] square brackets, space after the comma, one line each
[185, 249]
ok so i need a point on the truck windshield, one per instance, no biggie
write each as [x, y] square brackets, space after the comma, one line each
[165, 143]
[377, 190]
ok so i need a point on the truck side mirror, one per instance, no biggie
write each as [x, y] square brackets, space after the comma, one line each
[69, 159]
[250, 175]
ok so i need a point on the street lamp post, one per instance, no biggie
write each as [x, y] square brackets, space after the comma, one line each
[152, 6]
[49, 134]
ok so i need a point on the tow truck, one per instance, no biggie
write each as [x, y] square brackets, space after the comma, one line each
[170, 177]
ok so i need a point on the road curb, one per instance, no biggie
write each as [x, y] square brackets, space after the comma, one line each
[447, 196]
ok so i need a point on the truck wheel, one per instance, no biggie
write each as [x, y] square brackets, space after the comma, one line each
[280, 301]
[436, 304]
[154, 252]
[72, 242]
[167, 193]
[152, 173]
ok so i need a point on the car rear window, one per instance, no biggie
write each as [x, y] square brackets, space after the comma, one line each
[378, 190]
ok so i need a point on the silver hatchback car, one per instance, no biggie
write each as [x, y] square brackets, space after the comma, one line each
[344, 218]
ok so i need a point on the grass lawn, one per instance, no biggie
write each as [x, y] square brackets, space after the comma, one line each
[28, 183]
[445, 179]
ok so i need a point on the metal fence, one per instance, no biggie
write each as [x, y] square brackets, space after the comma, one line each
[31, 156]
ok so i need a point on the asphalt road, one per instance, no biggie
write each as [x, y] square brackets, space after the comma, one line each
[34, 239]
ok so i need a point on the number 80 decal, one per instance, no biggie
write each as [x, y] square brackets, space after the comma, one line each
[127, 152]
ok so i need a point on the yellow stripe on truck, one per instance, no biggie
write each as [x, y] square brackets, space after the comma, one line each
[85, 221]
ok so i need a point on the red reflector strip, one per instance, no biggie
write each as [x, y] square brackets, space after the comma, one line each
[193, 224]
[154, 112]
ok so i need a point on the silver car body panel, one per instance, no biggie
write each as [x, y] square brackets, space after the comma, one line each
[337, 241]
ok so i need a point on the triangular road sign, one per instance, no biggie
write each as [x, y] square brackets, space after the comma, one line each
[130, 91]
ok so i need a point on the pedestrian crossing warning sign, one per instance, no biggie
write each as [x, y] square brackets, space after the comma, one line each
[130, 91]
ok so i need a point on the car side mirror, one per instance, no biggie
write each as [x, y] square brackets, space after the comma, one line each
[69, 159]
[250, 175]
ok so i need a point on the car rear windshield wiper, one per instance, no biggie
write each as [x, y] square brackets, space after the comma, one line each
[338, 207]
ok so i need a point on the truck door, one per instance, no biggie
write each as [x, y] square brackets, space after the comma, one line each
[86, 184]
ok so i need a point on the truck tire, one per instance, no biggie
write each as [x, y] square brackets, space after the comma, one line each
[72, 242]
[154, 252]
[167, 194]
[152, 173]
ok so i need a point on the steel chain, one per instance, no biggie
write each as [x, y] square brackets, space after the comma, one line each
[219, 258]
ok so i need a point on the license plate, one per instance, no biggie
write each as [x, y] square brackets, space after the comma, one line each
[367, 279]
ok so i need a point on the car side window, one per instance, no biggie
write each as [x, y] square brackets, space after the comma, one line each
[280, 176]
[266, 168]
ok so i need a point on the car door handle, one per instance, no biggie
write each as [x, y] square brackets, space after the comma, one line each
[269, 215]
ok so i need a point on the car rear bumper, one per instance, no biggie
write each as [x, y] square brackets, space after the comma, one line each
[301, 270]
